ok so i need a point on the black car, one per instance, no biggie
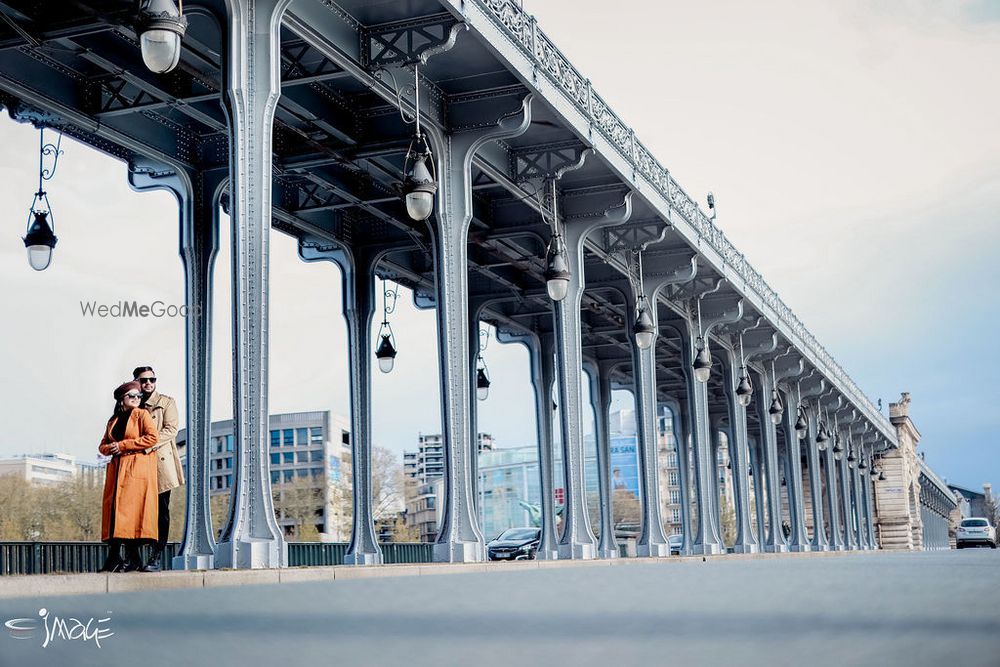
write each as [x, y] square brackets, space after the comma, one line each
[515, 544]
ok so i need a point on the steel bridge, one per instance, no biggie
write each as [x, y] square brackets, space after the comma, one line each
[297, 116]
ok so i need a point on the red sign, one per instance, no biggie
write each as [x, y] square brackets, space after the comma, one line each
[560, 496]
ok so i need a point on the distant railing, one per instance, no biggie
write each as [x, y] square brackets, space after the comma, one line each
[523, 30]
[49, 557]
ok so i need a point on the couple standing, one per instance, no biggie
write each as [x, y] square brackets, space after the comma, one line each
[144, 468]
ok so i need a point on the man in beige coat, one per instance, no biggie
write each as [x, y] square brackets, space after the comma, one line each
[169, 472]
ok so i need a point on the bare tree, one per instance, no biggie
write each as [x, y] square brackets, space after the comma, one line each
[388, 492]
[80, 503]
[301, 502]
[16, 499]
[387, 483]
[219, 507]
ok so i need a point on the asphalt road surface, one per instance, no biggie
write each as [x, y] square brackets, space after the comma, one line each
[940, 608]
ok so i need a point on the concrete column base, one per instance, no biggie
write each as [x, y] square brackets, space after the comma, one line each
[608, 553]
[459, 552]
[363, 559]
[800, 548]
[746, 549]
[252, 554]
[577, 551]
[196, 562]
[706, 549]
[652, 550]
[547, 554]
[776, 548]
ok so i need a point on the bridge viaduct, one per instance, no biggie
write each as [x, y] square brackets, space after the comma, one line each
[448, 145]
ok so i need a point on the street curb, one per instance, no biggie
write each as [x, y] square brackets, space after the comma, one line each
[42, 585]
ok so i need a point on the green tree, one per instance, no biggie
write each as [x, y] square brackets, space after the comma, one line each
[728, 519]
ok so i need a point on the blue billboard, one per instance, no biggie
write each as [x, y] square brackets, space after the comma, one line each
[624, 463]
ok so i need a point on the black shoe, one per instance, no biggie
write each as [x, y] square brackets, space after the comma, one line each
[153, 565]
[113, 566]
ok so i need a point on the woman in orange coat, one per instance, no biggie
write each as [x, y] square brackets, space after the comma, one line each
[130, 491]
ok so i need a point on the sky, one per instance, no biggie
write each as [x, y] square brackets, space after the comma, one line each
[854, 155]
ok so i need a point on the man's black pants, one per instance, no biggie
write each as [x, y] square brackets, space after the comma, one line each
[164, 521]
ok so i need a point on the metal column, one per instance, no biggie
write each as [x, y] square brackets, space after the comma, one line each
[683, 451]
[459, 536]
[798, 540]
[251, 537]
[358, 283]
[540, 353]
[845, 502]
[197, 196]
[600, 396]
[577, 539]
[774, 539]
[745, 542]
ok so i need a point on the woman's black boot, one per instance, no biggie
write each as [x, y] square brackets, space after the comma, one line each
[114, 562]
[133, 558]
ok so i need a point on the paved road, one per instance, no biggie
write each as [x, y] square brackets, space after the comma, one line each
[864, 609]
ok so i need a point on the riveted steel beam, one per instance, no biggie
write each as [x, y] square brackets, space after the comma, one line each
[251, 537]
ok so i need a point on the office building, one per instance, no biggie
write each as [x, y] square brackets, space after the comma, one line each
[303, 447]
[52, 469]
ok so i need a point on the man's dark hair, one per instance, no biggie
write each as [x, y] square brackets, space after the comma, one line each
[139, 370]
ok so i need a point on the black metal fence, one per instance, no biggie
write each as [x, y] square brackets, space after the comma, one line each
[48, 557]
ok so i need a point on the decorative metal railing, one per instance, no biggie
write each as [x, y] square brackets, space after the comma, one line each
[49, 557]
[523, 30]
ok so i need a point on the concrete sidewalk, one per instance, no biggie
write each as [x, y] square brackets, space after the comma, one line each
[878, 609]
[37, 585]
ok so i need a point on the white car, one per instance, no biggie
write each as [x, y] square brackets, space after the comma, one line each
[975, 532]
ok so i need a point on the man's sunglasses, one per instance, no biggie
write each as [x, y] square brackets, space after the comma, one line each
[133, 395]
[145, 380]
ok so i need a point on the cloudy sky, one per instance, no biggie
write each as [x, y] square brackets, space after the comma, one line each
[852, 147]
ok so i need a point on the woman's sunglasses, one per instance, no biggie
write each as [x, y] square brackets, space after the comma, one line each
[132, 395]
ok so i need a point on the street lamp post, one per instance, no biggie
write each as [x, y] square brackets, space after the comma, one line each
[386, 351]
[40, 238]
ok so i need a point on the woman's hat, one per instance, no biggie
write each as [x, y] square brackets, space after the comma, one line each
[125, 388]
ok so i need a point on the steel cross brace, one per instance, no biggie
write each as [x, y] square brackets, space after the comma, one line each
[408, 42]
[546, 161]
